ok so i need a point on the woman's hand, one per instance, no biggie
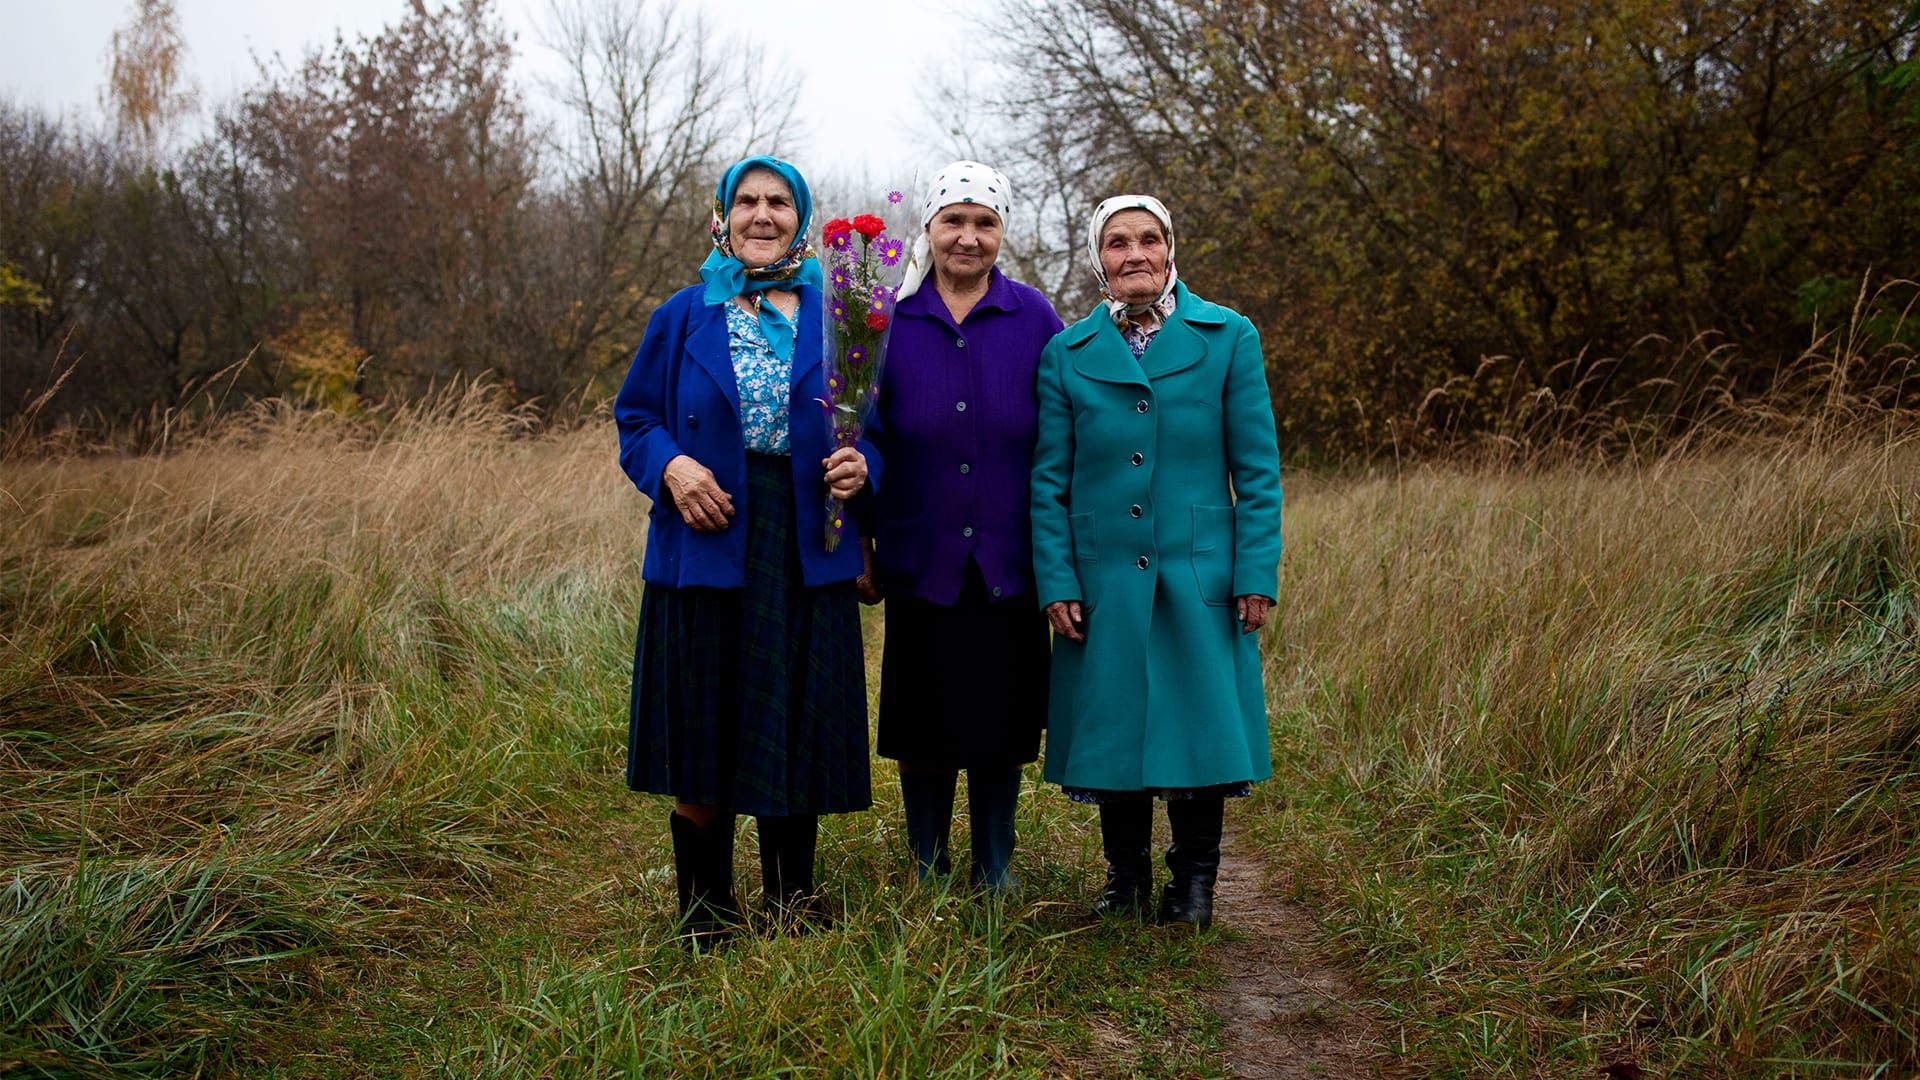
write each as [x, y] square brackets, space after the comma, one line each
[867, 585]
[1253, 611]
[1068, 620]
[697, 495]
[846, 472]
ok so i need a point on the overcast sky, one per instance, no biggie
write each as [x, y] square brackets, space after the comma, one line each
[54, 54]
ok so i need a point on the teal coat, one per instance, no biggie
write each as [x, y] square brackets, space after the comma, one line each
[1156, 502]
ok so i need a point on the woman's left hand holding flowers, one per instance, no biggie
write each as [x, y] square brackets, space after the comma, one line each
[1252, 611]
[846, 472]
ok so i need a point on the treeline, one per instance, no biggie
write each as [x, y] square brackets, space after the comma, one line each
[1544, 219]
[1553, 221]
[376, 219]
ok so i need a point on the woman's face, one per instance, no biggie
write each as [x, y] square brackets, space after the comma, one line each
[1133, 252]
[762, 221]
[965, 239]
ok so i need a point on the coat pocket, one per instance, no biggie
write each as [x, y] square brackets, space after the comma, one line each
[1086, 557]
[1213, 554]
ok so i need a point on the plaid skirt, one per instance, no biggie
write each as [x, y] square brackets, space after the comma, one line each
[753, 699]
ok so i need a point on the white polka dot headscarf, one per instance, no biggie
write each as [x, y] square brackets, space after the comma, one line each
[959, 182]
[1103, 214]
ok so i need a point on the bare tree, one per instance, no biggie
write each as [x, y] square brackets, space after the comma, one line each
[655, 104]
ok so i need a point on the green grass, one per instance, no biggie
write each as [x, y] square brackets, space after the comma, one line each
[311, 739]
[311, 742]
[1617, 765]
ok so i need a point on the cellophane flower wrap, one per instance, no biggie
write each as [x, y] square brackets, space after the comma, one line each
[865, 263]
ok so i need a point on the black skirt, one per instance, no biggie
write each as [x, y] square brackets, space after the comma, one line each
[753, 699]
[964, 686]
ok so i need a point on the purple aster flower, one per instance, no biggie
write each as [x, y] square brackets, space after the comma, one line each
[895, 198]
[838, 309]
[841, 242]
[841, 277]
[889, 250]
[857, 354]
[882, 294]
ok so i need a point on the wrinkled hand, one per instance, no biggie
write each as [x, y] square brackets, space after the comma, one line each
[1067, 619]
[697, 495]
[867, 585]
[846, 472]
[1253, 611]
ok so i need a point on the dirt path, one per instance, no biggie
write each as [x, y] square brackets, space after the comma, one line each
[1290, 1012]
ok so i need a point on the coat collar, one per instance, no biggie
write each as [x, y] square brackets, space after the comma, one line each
[927, 303]
[1100, 353]
[707, 342]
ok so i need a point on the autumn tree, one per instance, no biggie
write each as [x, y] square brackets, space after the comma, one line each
[148, 89]
[404, 175]
[48, 177]
[1462, 198]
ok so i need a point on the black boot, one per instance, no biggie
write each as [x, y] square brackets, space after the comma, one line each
[1194, 859]
[1126, 834]
[703, 871]
[786, 872]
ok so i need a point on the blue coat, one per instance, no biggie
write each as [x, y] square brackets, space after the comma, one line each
[680, 397]
[1156, 502]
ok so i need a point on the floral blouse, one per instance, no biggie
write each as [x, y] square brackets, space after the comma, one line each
[1139, 332]
[764, 381]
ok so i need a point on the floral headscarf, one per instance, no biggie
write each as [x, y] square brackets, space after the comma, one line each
[727, 277]
[1120, 309]
[959, 182]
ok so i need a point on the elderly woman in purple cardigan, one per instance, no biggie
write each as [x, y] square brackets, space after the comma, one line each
[963, 682]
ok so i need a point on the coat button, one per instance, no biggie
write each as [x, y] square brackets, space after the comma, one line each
[1141, 562]
[960, 343]
[1134, 510]
[1138, 459]
[965, 468]
[693, 421]
[959, 406]
[996, 590]
[1140, 406]
[968, 531]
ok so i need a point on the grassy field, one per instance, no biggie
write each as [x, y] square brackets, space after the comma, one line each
[311, 736]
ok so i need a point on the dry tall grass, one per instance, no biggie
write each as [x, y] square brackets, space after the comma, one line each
[1627, 758]
[283, 668]
[1585, 761]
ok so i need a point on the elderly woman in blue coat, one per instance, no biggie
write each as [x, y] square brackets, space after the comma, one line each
[749, 689]
[1156, 539]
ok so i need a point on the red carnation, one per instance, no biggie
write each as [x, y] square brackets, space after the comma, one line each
[876, 321]
[869, 226]
[835, 232]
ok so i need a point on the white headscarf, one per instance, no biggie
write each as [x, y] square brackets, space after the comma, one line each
[1103, 214]
[959, 182]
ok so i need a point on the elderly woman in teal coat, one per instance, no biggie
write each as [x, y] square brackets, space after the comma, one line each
[1156, 537]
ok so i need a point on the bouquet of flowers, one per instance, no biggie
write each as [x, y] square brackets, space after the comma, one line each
[864, 268]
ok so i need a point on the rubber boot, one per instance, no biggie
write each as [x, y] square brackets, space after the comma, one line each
[786, 872]
[928, 798]
[1126, 834]
[703, 873]
[1194, 859]
[992, 795]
